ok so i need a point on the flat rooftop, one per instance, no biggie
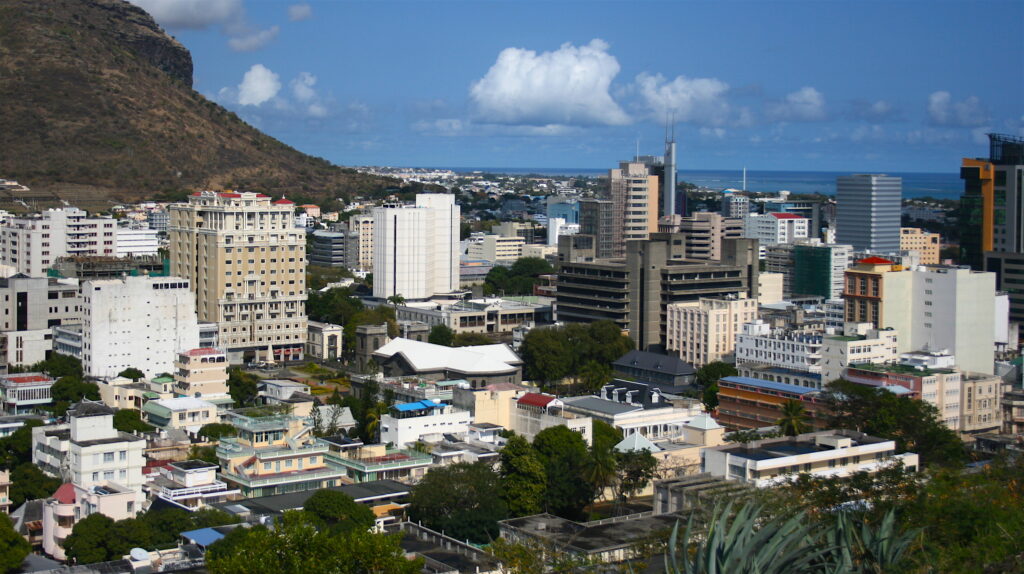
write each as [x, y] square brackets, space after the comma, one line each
[591, 538]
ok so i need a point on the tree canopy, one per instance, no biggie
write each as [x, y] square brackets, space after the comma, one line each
[463, 500]
[553, 353]
[338, 511]
[242, 386]
[132, 373]
[214, 431]
[441, 335]
[565, 457]
[69, 390]
[523, 478]
[710, 373]
[13, 547]
[518, 279]
[129, 420]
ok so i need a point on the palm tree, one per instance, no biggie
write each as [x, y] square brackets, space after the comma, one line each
[396, 300]
[373, 416]
[601, 470]
[794, 418]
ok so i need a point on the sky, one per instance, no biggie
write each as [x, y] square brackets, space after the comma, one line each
[859, 86]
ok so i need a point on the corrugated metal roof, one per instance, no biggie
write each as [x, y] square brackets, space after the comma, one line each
[536, 399]
[761, 383]
[417, 406]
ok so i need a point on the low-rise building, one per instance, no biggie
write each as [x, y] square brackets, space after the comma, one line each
[202, 373]
[828, 453]
[759, 344]
[745, 403]
[73, 502]
[367, 463]
[22, 393]
[425, 420]
[534, 412]
[661, 421]
[1012, 405]
[5, 491]
[705, 331]
[859, 344]
[481, 365]
[668, 373]
[124, 393]
[324, 341]
[497, 249]
[190, 485]
[926, 244]
[185, 413]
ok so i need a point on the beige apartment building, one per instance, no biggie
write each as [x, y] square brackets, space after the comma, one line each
[362, 253]
[498, 249]
[925, 243]
[201, 373]
[246, 263]
[703, 232]
[706, 332]
[634, 194]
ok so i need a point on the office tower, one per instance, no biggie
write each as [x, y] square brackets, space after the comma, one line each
[775, 228]
[703, 233]
[565, 207]
[634, 195]
[328, 248]
[926, 244]
[705, 331]
[246, 262]
[361, 227]
[735, 205]
[868, 212]
[819, 268]
[992, 205]
[416, 247]
[597, 219]
[32, 244]
[140, 322]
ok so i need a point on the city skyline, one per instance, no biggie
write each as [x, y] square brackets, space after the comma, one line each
[859, 87]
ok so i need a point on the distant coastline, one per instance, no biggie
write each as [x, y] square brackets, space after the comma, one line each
[937, 185]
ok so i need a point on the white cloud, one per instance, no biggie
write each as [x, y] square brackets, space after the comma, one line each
[876, 111]
[302, 87]
[717, 133]
[804, 105]
[461, 127]
[259, 85]
[868, 133]
[943, 111]
[300, 12]
[196, 14]
[569, 86]
[251, 41]
[697, 100]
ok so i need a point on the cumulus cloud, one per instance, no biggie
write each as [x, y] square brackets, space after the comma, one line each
[460, 127]
[228, 15]
[717, 133]
[804, 105]
[300, 12]
[259, 85]
[967, 113]
[568, 86]
[877, 111]
[697, 100]
[254, 40]
[306, 96]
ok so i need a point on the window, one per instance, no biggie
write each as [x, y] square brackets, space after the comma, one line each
[123, 455]
[108, 457]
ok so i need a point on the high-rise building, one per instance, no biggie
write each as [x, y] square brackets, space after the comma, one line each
[705, 331]
[597, 219]
[703, 233]
[32, 244]
[416, 247]
[735, 205]
[634, 195]
[774, 228]
[868, 211]
[246, 262]
[328, 248]
[994, 210]
[818, 268]
[926, 244]
[361, 226]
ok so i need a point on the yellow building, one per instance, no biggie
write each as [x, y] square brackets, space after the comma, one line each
[925, 243]
[201, 373]
[705, 331]
[634, 194]
[246, 262]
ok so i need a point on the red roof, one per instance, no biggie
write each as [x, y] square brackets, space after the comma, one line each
[875, 261]
[284, 201]
[152, 466]
[308, 205]
[202, 352]
[262, 196]
[786, 216]
[229, 194]
[196, 193]
[24, 379]
[65, 494]
[536, 399]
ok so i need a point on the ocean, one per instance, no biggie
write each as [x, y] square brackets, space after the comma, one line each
[937, 185]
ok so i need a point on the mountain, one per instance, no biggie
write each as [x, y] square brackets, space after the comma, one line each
[98, 106]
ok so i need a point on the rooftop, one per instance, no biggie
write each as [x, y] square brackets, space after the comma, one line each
[601, 406]
[202, 352]
[648, 361]
[475, 359]
[902, 369]
[769, 385]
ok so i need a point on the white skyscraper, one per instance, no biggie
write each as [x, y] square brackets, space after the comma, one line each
[868, 212]
[416, 247]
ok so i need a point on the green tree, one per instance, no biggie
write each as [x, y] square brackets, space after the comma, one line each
[216, 431]
[129, 420]
[30, 483]
[593, 375]
[13, 547]
[547, 355]
[166, 524]
[605, 436]
[242, 386]
[203, 453]
[59, 366]
[441, 335]
[709, 396]
[522, 477]
[607, 343]
[339, 511]
[69, 390]
[599, 469]
[90, 540]
[396, 300]
[793, 418]
[633, 470]
[712, 372]
[132, 373]
[471, 339]
[16, 448]
[565, 456]
[463, 500]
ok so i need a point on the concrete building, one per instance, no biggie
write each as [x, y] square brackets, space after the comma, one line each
[819, 268]
[635, 292]
[202, 373]
[937, 387]
[925, 243]
[246, 263]
[480, 365]
[993, 210]
[598, 223]
[31, 307]
[190, 485]
[497, 249]
[831, 453]
[759, 344]
[72, 502]
[735, 205]
[868, 211]
[22, 393]
[324, 341]
[705, 331]
[668, 373]
[123, 393]
[140, 322]
[634, 193]
[5, 492]
[361, 252]
[770, 288]
[183, 413]
[775, 228]
[703, 233]
[328, 248]
[416, 248]
[487, 315]
[136, 242]
[533, 412]
[659, 422]
[425, 420]
[859, 344]
[31, 244]
[746, 403]
[557, 227]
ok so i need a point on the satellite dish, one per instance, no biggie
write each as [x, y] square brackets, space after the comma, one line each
[139, 554]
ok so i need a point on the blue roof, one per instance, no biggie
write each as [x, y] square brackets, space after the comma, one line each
[417, 406]
[761, 383]
[203, 537]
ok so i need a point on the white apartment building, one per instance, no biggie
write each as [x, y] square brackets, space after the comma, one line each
[531, 413]
[21, 393]
[498, 249]
[362, 246]
[190, 484]
[32, 244]
[774, 228]
[558, 227]
[135, 242]
[246, 264]
[832, 453]
[184, 413]
[759, 344]
[140, 322]
[31, 306]
[706, 331]
[859, 344]
[416, 247]
[425, 420]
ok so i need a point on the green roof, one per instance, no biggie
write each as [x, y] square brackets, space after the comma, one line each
[901, 369]
[163, 380]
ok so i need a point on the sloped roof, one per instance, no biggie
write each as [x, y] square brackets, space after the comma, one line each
[875, 261]
[777, 215]
[65, 494]
[416, 406]
[636, 442]
[429, 357]
[703, 421]
[655, 362]
[536, 399]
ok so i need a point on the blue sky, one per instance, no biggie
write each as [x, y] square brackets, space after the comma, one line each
[818, 85]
